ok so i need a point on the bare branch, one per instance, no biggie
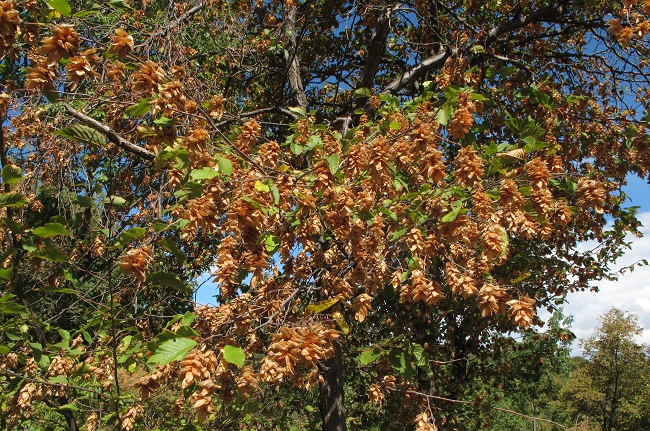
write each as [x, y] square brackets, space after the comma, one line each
[110, 134]
[500, 409]
[437, 60]
[180, 20]
[376, 49]
[295, 81]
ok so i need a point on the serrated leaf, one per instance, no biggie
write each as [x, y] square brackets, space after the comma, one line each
[321, 306]
[6, 274]
[163, 121]
[276, 194]
[82, 133]
[261, 187]
[298, 110]
[397, 234]
[11, 174]
[61, 6]
[12, 200]
[444, 114]
[171, 246]
[114, 201]
[13, 225]
[130, 235]
[363, 92]
[397, 360]
[421, 357]
[370, 356]
[50, 230]
[139, 109]
[234, 355]
[203, 174]
[172, 350]
[333, 162]
[52, 254]
[225, 165]
[450, 216]
[272, 243]
[166, 279]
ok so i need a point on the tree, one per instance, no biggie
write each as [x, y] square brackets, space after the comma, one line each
[382, 192]
[612, 386]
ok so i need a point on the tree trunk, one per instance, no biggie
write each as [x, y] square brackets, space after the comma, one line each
[332, 409]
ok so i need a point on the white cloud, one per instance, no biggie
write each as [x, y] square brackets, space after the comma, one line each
[630, 293]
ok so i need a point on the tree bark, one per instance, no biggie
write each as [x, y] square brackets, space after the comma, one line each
[332, 408]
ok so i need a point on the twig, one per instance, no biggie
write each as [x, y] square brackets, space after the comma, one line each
[110, 134]
[450, 400]
[56, 385]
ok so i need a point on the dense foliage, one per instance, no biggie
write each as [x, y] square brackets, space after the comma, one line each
[383, 193]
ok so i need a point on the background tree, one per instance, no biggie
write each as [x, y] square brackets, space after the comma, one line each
[382, 191]
[612, 385]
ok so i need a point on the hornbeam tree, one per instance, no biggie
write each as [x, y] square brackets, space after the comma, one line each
[381, 191]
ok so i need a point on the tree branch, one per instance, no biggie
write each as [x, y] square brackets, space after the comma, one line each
[185, 17]
[437, 60]
[295, 81]
[376, 50]
[110, 134]
[500, 409]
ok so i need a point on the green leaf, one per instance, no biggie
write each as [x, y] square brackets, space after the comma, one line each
[399, 233]
[171, 246]
[298, 110]
[52, 254]
[61, 6]
[321, 306]
[11, 174]
[421, 357]
[139, 109]
[13, 225]
[276, 194]
[163, 121]
[6, 274]
[363, 92]
[12, 200]
[172, 350]
[370, 356]
[8, 306]
[203, 174]
[166, 279]
[225, 165]
[450, 216]
[444, 114]
[395, 125]
[82, 133]
[272, 243]
[234, 355]
[397, 360]
[114, 201]
[130, 235]
[50, 230]
[261, 187]
[333, 162]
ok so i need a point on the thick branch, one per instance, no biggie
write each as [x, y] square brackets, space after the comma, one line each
[437, 60]
[110, 134]
[295, 81]
[376, 50]
[410, 76]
